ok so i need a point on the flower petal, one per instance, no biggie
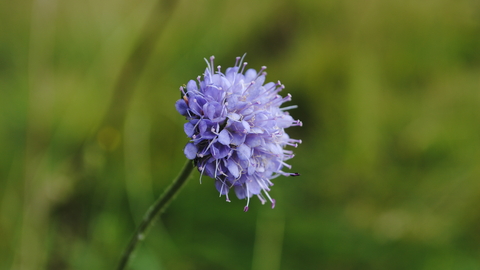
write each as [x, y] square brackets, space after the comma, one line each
[233, 168]
[190, 151]
[224, 137]
[244, 152]
[189, 129]
[181, 106]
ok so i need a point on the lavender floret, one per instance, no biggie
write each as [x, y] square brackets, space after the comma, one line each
[237, 129]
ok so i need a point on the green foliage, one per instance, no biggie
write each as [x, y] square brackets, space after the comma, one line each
[388, 92]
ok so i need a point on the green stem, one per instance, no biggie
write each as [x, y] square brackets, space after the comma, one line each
[154, 211]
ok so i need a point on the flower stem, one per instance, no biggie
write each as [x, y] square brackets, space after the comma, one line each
[154, 211]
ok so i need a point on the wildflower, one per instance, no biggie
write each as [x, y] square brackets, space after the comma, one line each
[236, 127]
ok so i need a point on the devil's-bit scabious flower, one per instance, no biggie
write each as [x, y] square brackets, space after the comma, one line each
[237, 129]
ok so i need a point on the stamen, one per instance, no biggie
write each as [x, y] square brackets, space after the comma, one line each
[216, 168]
[248, 87]
[274, 87]
[294, 143]
[243, 67]
[241, 61]
[285, 174]
[215, 131]
[261, 183]
[196, 124]
[248, 199]
[288, 97]
[237, 59]
[261, 72]
[211, 62]
[202, 169]
[297, 123]
[289, 108]
[261, 198]
[206, 149]
[270, 198]
[286, 165]
[221, 190]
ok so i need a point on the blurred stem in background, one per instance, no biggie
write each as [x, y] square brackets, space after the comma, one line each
[131, 70]
[36, 206]
[115, 116]
[43, 30]
[267, 253]
[154, 211]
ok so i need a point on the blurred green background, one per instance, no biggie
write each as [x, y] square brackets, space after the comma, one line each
[388, 91]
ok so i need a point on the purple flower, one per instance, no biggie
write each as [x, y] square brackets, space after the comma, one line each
[237, 129]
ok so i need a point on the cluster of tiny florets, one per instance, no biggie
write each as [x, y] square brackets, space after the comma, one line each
[237, 129]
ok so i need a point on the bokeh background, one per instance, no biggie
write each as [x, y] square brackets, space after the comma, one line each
[388, 91]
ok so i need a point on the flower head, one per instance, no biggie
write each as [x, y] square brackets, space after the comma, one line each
[237, 129]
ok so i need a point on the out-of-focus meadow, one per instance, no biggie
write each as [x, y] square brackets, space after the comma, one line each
[388, 91]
